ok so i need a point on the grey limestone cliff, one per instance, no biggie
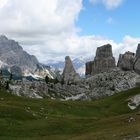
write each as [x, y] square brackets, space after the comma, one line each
[12, 54]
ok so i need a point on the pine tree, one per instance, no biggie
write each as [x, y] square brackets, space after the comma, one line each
[47, 79]
[11, 77]
[7, 85]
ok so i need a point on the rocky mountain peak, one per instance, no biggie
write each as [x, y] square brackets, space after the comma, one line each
[3, 38]
[12, 54]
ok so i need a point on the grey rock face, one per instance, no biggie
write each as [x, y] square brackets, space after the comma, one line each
[13, 54]
[137, 60]
[138, 51]
[104, 51]
[16, 70]
[89, 68]
[98, 86]
[32, 89]
[108, 83]
[104, 60]
[68, 92]
[126, 61]
[69, 73]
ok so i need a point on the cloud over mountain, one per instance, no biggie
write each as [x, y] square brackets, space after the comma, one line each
[47, 28]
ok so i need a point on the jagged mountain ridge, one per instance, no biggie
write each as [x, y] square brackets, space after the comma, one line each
[14, 58]
[12, 54]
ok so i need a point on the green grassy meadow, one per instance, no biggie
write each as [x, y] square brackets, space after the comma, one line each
[43, 119]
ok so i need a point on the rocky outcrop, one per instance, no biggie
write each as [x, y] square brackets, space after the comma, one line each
[134, 102]
[103, 62]
[69, 73]
[97, 86]
[32, 89]
[126, 61]
[12, 54]
[109, 83]
[137, 60]
[129, 61]
[68, 91]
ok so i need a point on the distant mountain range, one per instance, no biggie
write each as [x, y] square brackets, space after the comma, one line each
[15, 60]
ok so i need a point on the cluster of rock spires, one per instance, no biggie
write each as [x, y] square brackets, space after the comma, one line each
[130, 61]
[103, 76]
[104, 61]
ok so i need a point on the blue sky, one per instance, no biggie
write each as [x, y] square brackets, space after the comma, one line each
[114, 23]
[53, 29]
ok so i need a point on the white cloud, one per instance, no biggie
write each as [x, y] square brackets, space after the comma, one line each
[40, 25]
[109, 4]
[77, 46]
[39, 16]
[46, 28]
[130, 43]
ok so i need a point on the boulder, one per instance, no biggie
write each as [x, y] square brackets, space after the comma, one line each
[126, 61]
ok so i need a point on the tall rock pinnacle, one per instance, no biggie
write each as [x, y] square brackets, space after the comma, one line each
[126, 61]
[69, 73]
[103, 62]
